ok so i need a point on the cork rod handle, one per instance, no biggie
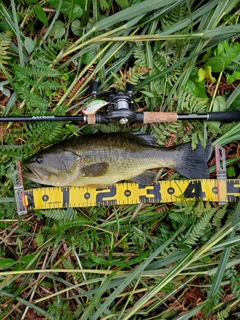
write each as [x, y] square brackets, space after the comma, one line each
[155, 117]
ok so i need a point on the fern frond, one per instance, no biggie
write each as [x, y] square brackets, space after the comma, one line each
[234, 277]
[165, 55]
[10, 153]
[217, 219]
[51, 85]
[233, 67]
[230, 216]
[169, 250]
[182, 218]
[199, 229]
[37, 103]
[177, 14]
[60, 309]
[139, 54]
[188, 102]
[5, 41]
[26, 13]
[111, 127]
[162, 130]
[213, 301]
[36, 71]
[222, 315]
[45, 70]
[132, 75]
[50, 49]
[45, 132]
[61, 214]
[66, 225]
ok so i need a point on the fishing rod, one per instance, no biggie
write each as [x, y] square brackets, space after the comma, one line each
[119, 107]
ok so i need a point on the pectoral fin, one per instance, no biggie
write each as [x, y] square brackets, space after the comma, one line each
[96, 170]
[144, 178]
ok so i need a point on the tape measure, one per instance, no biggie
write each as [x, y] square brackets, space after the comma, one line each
[132, 193]
[221, 190]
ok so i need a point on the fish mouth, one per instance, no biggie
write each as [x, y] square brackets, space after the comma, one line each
[37, 175]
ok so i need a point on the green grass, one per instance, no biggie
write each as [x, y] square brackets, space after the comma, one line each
[173, 261]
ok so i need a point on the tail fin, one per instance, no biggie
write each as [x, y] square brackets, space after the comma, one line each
[193, 163]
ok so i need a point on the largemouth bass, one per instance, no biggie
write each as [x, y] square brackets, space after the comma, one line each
[104, 159]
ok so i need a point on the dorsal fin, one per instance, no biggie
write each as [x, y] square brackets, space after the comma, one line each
[141, 137]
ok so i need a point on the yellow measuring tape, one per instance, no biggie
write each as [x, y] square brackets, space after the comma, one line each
[221, 191]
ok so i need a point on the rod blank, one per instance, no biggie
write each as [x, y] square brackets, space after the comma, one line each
[227, 116]
[145, 117]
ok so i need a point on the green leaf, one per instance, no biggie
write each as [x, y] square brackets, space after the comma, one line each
[19, 244]
[39, 239]
[58, 29]
[103, 5]
[218, 64]
[7, 263]
[66, 263]
[207, 55]
[208, 74]
[46, 283]
[28, 258]
[222, 47]
[5, 91]
[219, 104]
[75, 27]
[88, 56]
[231, 172]
[236, 74]
[201, 75]
[148, 94]
[41, 15]
[195, 87]
[18, 266]
[29, 45]
[123, 3]
[230, 78]
[77, 12]
[224, 56]
[69, 7]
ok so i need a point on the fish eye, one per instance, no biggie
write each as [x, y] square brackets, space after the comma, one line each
[39, 160]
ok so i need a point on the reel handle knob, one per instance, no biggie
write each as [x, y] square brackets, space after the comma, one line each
[129, 88]
[94, 88]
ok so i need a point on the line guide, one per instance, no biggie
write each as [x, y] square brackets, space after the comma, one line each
[219, 190]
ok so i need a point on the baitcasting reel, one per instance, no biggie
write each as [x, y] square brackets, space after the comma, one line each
[120, 107]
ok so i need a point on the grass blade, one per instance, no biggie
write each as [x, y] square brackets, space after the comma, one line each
[18, 35]
[28, 304]
[130, 13]
[151, 293]
[224, 258]
[95, 301]
[134, 275]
